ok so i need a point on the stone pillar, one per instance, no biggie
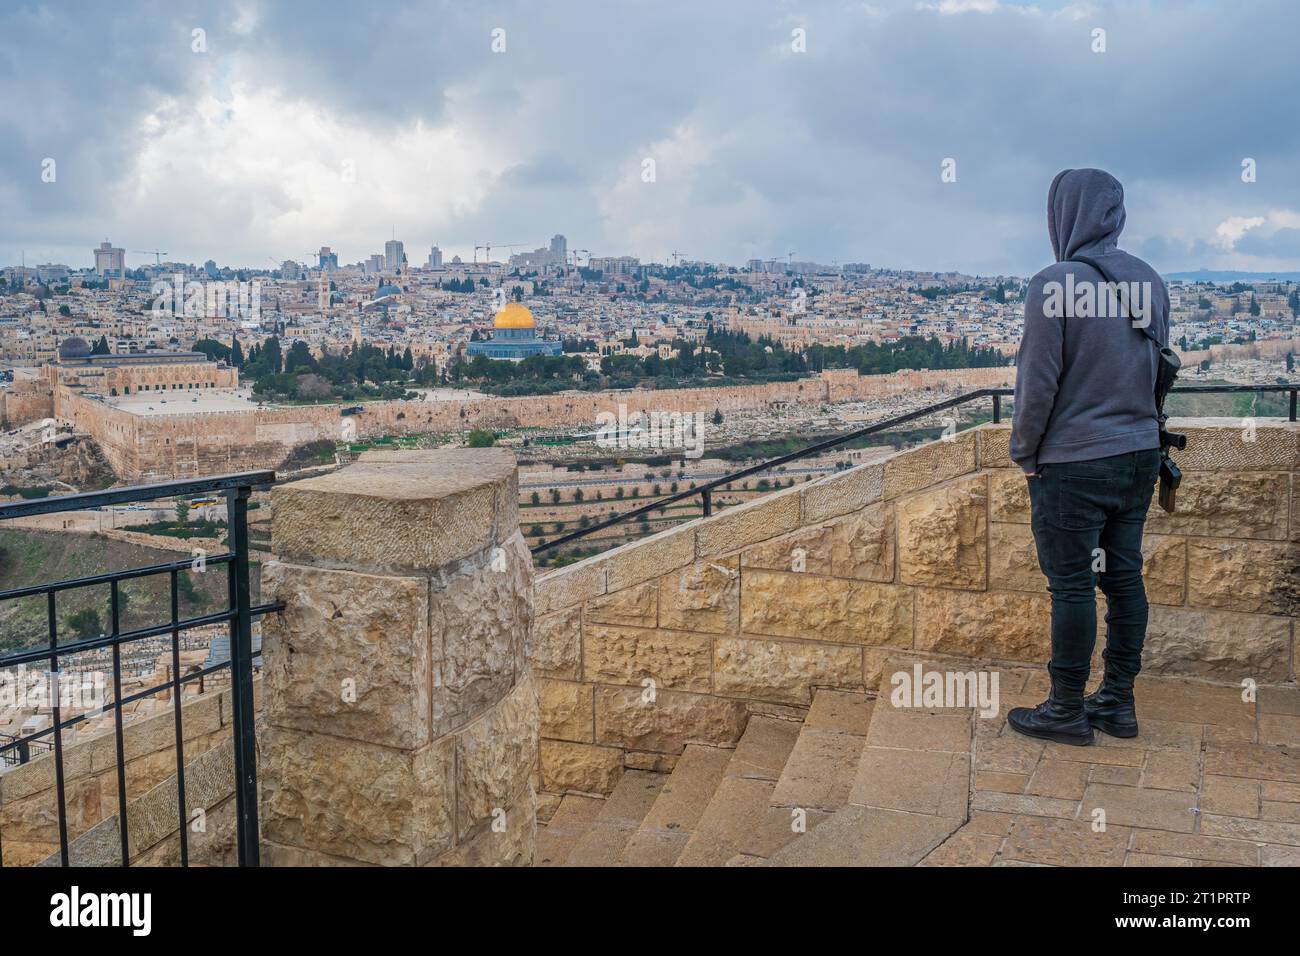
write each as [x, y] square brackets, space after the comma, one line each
[400, 717]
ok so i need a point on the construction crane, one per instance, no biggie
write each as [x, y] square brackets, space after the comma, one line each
[676, 256]
[487, 246]
[156, 253]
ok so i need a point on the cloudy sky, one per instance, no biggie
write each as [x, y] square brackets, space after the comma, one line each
[285, 125]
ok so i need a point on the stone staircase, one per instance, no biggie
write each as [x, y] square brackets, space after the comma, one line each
[854, 783]
[1214, 779]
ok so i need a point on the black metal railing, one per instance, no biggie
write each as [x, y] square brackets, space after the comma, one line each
[238, 614]
[705, 490]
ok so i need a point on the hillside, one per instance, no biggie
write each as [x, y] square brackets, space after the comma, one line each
[32, 557]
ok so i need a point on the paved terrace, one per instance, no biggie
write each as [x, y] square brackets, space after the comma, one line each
[1212, 780]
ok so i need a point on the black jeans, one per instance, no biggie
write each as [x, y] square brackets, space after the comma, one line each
[1087, 521]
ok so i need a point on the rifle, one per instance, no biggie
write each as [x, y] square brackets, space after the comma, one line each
[1167, 367]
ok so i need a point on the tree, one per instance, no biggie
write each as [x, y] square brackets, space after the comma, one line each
[213, 349]
[84, 623]
[312, 386]
[182, 514]
[271, 357]
[236, 352]
[101, 347]
[481, 438]
[300, 358]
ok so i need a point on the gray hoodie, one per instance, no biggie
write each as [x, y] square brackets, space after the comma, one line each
[1085, 382]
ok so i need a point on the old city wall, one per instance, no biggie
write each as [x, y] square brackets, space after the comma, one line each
[142, 447]
[848, 386]
[1267, 349]
[26, 401]
[927, 555]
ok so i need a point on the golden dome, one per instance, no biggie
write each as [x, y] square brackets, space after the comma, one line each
[514, 316]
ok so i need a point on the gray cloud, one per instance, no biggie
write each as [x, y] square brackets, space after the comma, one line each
[833, 153]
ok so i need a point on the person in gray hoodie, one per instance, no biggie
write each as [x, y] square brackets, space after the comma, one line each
[1086, 435]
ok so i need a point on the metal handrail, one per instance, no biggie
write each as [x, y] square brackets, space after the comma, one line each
[238, 615]
[705, 491]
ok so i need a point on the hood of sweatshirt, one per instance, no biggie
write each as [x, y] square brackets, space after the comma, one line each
[1085, 212]
[1085, 216]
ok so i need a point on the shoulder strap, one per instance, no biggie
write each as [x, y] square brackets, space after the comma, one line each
[1090, 261]
[1167, 361]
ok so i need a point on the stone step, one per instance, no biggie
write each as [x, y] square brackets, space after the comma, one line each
[823, 765]
[667, 828]
[741, 803]
[571, 821]
[905, 794]
[816, 779]
[625, 808]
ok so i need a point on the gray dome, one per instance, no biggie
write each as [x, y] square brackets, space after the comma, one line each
[73, 348]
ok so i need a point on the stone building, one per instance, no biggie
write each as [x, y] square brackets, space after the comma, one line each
[111, 375]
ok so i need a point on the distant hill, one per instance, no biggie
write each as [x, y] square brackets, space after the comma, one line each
[1213, 275]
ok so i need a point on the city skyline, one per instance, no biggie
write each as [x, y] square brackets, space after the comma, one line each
[239, 131]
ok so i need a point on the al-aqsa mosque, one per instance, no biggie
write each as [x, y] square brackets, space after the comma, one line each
[514, 337]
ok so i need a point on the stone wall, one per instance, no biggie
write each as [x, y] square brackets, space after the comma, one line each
[401, 715]
[679, 637]
[29, 821]
[156, 447]
[1265, 349]
[27, 400]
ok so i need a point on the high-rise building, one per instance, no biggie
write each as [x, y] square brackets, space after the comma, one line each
[290, 269]
[614, 265]
[110, 262]
[53, 272]
[556, 254]
[210, 267]
[435, 258]
[393, 255]
[329, 260]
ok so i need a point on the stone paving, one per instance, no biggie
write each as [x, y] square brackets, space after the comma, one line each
[1212, 780]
